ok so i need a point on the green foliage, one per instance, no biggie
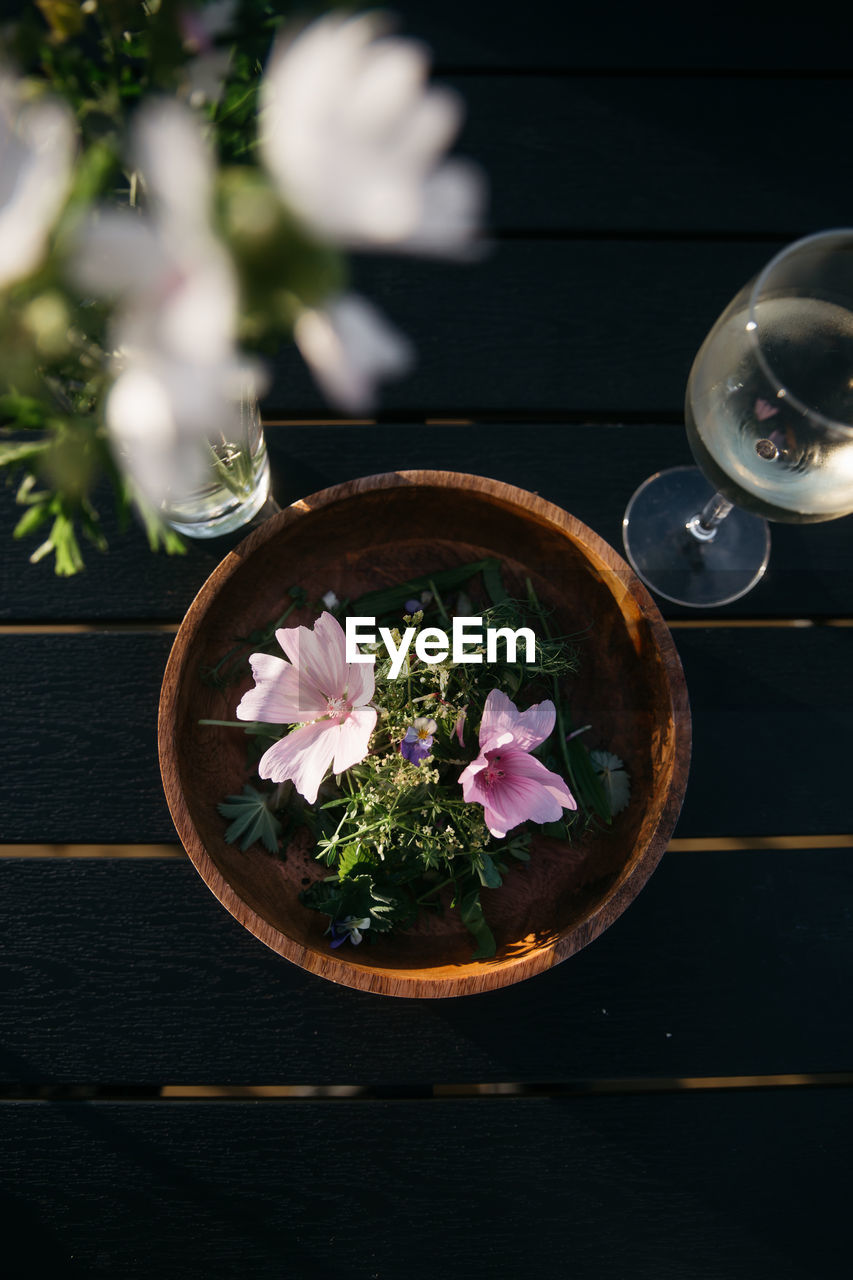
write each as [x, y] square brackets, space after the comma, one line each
[232, 665]
[398, 838]
[252, 819]
[474, 919]
[103, 59]
[614, 779]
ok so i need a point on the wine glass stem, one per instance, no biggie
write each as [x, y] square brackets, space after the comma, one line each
[703, 526]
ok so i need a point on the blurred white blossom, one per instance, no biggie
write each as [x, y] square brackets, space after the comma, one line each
[37, 148]
[179, 377]
[349, 346]
[207, 70]
[355, 141]
[129, 314]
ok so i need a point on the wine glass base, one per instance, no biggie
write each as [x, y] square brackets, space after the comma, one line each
[680, 567]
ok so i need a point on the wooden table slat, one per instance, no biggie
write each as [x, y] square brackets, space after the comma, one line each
[130, 972]
[770, 706]
[605, 327]
[643, 165]
[590, 470]
[551, 34]
[687, 1188]
[600, 152]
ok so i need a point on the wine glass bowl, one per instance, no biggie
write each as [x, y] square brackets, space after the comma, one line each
[769, 417]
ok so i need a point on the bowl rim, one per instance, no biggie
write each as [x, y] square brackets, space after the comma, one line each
[446, 980]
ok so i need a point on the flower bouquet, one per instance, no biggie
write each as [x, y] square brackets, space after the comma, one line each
[414, 741]
[182, 185]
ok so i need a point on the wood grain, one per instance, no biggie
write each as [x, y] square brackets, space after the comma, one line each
[600, 152]
[688, 1187]
[590, 470]
[768, 703]
[553, 35]
[601, 327]
[126, 972]
[374, 532]
[683, 124]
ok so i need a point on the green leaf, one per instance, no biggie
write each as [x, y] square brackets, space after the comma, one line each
[90, 521]
[13, 455]
[585, 782]
[25, 411]
[376, 603]
[159, 534]
[471, 912]
[556, 830]
[493, 582]
[488, 873]
[614, 779]
[252, 820]
[351, 858]
[32, 519]
[67, 557]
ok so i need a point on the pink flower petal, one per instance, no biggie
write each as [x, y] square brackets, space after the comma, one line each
[460, 725]
[266, 666]
[515, 800]
[528, 728]
[281, 694]
[304, 756]
[519, 764]
[354, 738]
[319, 654]
[361, 683]
[472, 788]
[524, 790]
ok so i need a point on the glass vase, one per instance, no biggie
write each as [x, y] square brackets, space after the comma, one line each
[236, 488]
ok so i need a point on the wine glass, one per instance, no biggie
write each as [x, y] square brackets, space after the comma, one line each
[769, 415]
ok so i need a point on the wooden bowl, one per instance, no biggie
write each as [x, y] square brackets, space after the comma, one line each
[378, 531]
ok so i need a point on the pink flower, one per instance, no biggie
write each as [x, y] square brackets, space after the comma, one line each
[763, 410]
[505, 779]
[318, 690]
[460, 725]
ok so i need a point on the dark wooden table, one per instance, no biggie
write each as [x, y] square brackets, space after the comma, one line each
[674, 1101]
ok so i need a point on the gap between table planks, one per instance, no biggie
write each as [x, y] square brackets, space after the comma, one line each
[174, 851]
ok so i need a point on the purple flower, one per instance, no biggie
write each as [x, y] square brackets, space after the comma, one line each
[416, 604]
[350, 928]
[417, 744]
[505, 779]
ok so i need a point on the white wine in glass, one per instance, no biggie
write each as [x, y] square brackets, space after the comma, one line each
[769, 415]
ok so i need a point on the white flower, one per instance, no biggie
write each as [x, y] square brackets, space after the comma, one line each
[37, 145]
[179, 378]
[348, 346]
[207, 71]
[355, 141]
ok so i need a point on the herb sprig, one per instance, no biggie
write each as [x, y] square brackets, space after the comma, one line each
[394, 831]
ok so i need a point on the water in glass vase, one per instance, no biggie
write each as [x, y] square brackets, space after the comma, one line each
[236, 491]
[769, 444]
[236, 487]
